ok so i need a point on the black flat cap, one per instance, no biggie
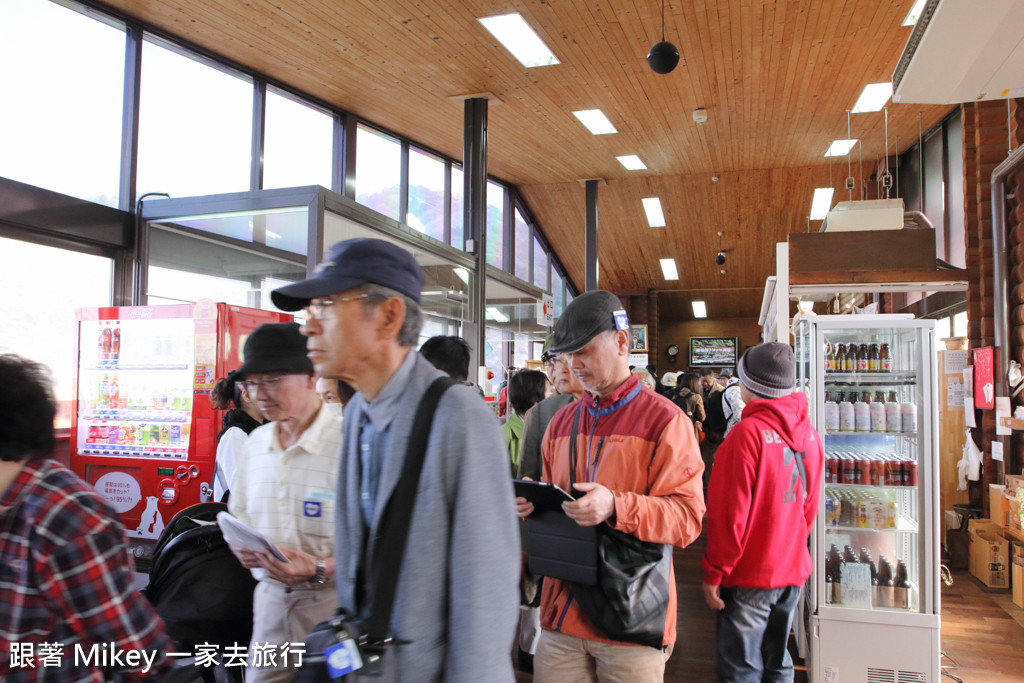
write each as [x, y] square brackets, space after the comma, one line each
[275, 347]
[587, 316]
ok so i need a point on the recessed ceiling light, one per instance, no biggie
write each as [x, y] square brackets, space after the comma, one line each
[700, 310]
[595, 121]
[515, 34]
[655, 216]
[914, 13]
[632, 162]
[821, 203]
[872, 98]
[496, 314]
[840, 147]
[668, 268]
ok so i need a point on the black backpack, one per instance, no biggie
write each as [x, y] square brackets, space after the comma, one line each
[715, 414]
[197, 586]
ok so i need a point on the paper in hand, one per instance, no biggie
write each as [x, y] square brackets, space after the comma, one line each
[242, 537]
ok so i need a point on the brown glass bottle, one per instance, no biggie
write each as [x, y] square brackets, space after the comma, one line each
[839, 363]
[884, 359]
[862, 358]
[850, 364]
[873, 365]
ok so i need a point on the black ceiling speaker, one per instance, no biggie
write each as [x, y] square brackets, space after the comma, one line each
[664, 56]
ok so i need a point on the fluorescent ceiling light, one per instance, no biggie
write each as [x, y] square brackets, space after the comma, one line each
[914, 13]
[652, 207]
[872, 98]
[668, 267]
[496, 314]
[595, 121]
[700, 310]
[632, 162]
[840, 147]
[515, 34]
[821, 203]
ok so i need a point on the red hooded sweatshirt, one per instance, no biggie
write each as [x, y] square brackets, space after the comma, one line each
[763, 497]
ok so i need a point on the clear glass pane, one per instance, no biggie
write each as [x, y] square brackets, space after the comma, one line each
[943, 328]
[521, 268]
[457, 238]
[557, 289]
[299, 142]
[520, 350]
[42, 326]
[285, 228]
[195, 126]
[494, 354]
[183, 269]
[960, 324]
[426, 194]
[378, 171]
[540, 265]
[495, 225]
[62, 77]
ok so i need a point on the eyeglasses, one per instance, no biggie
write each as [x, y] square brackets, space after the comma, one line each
[317, 309]
[270, 383]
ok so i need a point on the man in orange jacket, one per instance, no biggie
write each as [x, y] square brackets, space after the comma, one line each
[638, 465]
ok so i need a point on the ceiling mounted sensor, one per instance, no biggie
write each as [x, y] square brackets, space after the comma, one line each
[957, 53]
[700, 116]
[663, 56]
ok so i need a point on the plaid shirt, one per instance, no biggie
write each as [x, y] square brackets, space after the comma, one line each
[66, 586]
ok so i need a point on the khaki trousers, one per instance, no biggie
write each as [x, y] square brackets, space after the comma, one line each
[562, 658]
[280, 616]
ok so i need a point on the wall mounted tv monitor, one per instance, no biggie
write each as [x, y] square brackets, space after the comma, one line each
[718, 352]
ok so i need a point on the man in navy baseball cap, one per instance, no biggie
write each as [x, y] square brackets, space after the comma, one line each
[351, 263]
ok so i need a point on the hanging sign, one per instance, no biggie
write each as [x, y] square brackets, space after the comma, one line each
[984, 379]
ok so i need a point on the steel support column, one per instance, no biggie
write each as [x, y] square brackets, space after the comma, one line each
[474, 162]
[590, 238]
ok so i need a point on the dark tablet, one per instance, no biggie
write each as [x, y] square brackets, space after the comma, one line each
[543, 494]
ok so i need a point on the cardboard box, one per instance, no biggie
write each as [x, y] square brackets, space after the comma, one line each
[1018, 585]
[990, 557]
[998, 505]
[1013, 482]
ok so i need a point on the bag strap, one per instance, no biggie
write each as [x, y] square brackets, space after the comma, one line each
[394, 527]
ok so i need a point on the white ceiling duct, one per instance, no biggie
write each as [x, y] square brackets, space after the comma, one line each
[963, 51]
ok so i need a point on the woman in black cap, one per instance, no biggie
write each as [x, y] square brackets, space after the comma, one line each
[242, 416]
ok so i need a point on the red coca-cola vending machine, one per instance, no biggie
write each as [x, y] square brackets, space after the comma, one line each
[144, 432]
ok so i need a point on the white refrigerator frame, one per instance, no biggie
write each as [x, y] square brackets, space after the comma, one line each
[849, 645]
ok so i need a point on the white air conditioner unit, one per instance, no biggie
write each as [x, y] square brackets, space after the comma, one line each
[865, 214]
[963, 51]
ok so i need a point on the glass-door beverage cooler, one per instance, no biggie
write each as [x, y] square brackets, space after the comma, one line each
[873, 599]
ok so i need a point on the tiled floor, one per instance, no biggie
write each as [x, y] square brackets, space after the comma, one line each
[982, 630]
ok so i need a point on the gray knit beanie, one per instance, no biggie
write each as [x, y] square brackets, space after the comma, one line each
[768, 370]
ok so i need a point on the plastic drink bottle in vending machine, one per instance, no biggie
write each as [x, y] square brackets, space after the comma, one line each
[115, 342]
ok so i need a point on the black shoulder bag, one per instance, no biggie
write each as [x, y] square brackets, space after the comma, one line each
[372, 636]
[630, 601]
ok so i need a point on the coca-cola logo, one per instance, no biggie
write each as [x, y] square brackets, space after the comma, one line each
[141, 313]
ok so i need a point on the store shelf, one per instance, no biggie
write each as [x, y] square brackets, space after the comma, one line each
[136, 451]
[832, 432]
[106, 366]
[904, 525]
[888, 487]
[881, 379]
[137, 415]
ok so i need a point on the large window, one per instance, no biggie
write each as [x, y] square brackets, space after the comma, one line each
[557, 286]
[42, 326]
[195, 126]
[521, 266]
[540, 265]
[458, 236]
[62, 79]
[298, 143]
[426, 194]
[495, 224]
[378, 171]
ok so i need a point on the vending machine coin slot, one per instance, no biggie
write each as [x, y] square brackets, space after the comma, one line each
[168, 492]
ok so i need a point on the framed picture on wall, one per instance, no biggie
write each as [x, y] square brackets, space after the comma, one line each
[638, 338]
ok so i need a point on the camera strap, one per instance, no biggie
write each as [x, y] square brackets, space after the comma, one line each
[397, 516]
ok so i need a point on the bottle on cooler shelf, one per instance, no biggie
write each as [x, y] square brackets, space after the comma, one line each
[830, 358]
[873, 358]
[862, 413]
[850, 360]
[900, 587]
[884, 359]
[885, 592]
[893, 421]
[847, 422]
[862, 358]
[877, 408]
[831, 410]
[839, 361]
[908, 417]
